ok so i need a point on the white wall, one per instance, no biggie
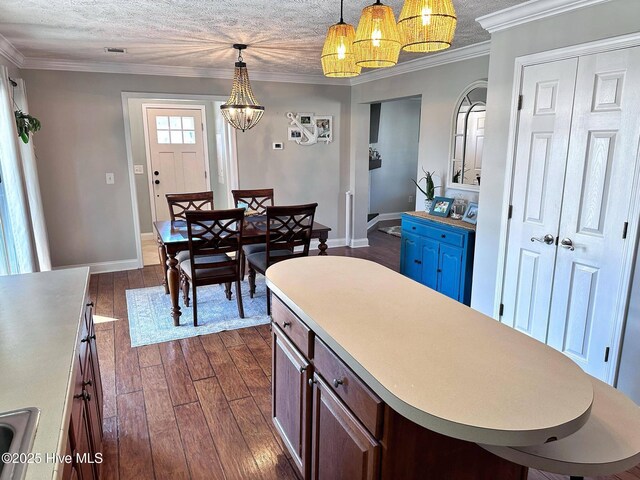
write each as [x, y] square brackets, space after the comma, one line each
[605, 20]
[82, 138]
[439, 88]
[398, 146]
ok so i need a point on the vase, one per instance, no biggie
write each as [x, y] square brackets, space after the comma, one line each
[427, 205]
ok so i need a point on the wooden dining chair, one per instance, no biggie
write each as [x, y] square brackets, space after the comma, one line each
[181, 203]
[213, 236]
[288, 236]
[256, 202]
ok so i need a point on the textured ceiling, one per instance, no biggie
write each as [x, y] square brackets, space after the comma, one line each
[285, 36]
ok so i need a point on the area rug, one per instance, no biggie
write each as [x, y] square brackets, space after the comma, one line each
[150, 318]
[395, 230]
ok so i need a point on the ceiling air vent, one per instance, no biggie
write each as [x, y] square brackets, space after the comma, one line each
[115, 50]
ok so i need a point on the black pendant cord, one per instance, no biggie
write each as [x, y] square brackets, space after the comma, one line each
[341, 9]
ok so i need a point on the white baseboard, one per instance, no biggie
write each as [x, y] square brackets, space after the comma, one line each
[106, 267]
[359, 242]
[383, 217]
[148, 236]
[331, 243]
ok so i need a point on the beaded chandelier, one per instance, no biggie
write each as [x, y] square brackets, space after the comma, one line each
[242, 110]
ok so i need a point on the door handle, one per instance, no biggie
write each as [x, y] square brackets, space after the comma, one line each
[548, 239]
[157, 182]
[567, 243]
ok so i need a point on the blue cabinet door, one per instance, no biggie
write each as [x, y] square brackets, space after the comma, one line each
[449, 271]
[429, 257]
[410, 262]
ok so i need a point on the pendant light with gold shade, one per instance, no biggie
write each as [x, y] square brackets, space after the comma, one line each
[338, 59]
[427, 25]
[242, 110]
[378, 41]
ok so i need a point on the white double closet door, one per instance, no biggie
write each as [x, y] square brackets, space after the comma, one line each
[576, 153]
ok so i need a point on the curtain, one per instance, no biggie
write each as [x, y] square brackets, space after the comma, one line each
[23, 227]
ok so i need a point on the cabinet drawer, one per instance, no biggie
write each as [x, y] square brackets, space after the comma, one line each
[432, 231]
[354, 393]
[291, 325]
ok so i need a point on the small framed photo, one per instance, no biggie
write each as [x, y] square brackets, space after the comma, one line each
[294, 134]
[471, 215]
[325, 128]
[441, 206]
[305, 118]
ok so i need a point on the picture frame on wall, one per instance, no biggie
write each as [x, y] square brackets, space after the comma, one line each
[471, 214]
[324, 125]
[305, 118]
[441, 206]
[294, 134]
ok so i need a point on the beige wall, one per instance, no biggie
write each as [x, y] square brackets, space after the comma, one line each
[82, 138]
[439, 87]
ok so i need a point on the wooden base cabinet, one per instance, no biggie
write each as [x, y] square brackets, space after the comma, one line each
[337, 428]
[342, 449]
[85, 426]
[291, 400]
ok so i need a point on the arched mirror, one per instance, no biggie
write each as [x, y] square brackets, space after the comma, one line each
[465, 167]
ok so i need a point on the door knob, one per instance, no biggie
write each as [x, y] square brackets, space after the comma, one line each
[567, 243]
[548, 239]
[157, 182]
[156, 172]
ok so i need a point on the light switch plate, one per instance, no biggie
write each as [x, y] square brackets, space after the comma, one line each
[278, 146]
[111, 179]
[138, 169]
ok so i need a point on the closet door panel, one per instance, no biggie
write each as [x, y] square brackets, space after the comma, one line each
[541, 156]
[603, 149]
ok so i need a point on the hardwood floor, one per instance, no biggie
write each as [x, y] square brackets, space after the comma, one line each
[199, 408]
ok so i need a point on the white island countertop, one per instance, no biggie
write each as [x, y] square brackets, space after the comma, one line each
[39, 327]
[435, 361]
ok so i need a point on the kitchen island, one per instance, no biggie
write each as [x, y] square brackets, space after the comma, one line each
[376, 375]
[48, 360]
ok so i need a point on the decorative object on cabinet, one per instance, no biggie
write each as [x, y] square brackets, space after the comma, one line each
[430, 189]
[465, 164]
[438, 252]
[441, 206]
[242, 110]
[471, 215]
[458, 208]
[309, 128]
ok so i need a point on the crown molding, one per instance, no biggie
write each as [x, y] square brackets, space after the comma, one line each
[173, 71]
[530, 11]
[429, 61]
[8, 51]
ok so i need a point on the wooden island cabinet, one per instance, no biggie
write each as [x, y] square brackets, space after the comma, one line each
[368, 385]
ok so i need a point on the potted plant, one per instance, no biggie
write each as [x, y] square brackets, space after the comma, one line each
[26, 124]
[430, 189]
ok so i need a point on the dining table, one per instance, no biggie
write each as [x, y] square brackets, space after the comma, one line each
[172, 238]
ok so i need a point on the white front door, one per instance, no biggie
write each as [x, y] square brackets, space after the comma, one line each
[576, 156]
[541, 158]
[177, 154]
[588, 283]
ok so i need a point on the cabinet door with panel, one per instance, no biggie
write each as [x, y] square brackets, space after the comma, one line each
[291, 401]
[449, 271]
[430, 251]
[341, 448]
[411, 256]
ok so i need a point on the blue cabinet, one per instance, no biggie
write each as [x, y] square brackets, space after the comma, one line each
[438, 255]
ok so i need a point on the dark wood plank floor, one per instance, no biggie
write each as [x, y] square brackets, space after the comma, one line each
[199, 408]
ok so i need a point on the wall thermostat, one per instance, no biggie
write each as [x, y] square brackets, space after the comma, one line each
[278, 146]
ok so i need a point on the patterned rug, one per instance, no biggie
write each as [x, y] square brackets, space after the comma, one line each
[395, 230]
[150, 313]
